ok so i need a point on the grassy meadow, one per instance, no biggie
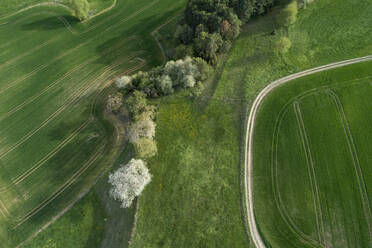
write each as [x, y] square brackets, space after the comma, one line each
[53, 140]
[194, 198]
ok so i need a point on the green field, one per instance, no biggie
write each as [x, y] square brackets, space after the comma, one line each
[9, 7]
[53, 142]
[311, 160]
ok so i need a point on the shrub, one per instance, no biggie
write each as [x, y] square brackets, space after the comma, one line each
[198, 89]
[283, 45]
[129, 181]
[145, 148]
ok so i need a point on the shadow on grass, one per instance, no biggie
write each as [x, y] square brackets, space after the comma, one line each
[139, 35]
[51, 23]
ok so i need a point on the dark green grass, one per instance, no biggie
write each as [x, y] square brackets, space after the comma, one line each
[167, 38]
[100, 218]
[342, 209]
[82, 227]
[48, 92]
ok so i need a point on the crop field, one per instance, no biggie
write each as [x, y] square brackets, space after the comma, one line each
[312, 156]
[53, 69]
[9, 7]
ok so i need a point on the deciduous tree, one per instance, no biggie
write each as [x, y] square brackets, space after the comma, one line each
[129, 181]
[80, 8]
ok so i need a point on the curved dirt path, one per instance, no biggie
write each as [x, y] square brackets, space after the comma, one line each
[248, 163]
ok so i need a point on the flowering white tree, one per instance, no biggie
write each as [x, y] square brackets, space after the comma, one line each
[123, 82]
[182, 72]
[129, 181]
[142, 128]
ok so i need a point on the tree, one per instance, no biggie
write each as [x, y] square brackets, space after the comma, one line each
[166, 85]
[136, 103]
[288, 15]
[129, 181]
[114, 102]
[123, 82]
[207, 45]
[145, 148]
[80, 8]
[205, 70]
[283, 45]
[142, 128]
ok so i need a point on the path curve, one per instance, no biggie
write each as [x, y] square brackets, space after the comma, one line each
[248, 162]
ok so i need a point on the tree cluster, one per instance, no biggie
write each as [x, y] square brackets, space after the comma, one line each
[164, 80]
[141, 132]
[208, 27]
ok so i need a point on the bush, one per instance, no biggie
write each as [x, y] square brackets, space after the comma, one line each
[198, 89]
[283, 45]
[129, 181]
[145, 148]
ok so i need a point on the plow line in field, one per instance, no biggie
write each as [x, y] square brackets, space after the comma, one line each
[311, 172]
[45, 159]
[82, 90]
[355, 159]
[248, 175]
[56, 82]
[62, 188]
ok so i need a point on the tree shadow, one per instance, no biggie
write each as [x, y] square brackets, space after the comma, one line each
[132, 39]
[51, 23]
[61, 130]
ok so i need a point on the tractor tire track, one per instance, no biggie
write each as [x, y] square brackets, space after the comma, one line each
[355, 159]
[248, 164]
[45, 159]
[67, 74]
[82, 90]
[39, 68]
[62, 188]
[306, 239]
[12, 61]
[311, 173]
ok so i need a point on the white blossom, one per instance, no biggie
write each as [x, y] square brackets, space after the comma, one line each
[129, 181]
